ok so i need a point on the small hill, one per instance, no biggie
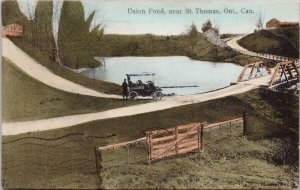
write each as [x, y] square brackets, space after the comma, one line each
[279, 41]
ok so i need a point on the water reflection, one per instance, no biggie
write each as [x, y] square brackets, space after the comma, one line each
[170, 71]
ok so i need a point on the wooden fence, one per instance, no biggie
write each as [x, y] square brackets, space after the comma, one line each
[222, 124]
[173, 141]
[266, 56]
[113, 146]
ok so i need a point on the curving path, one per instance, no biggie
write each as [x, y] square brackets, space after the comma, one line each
[234, 45]
[41, 73]
[167, 102]
[37, 71]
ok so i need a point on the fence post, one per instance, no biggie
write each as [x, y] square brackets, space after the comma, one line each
[113, 159]
[149, 140]
[244, 125]
[201, 137]
[176, 137]
[127, 154]
[97, 159]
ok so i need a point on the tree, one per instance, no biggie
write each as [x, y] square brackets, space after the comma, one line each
[43, 27]
[11, 13]
[193, 31]
[192, 35]
[206, 26]
[260, 20]
[76, 41]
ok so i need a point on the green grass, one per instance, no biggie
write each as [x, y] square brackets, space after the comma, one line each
[268, 159]
[284, 42]
[25, 98]
[228, 161]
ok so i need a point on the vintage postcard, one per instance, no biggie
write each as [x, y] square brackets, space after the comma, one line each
[150, 94]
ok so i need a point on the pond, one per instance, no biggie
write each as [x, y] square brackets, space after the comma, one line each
[172, 71]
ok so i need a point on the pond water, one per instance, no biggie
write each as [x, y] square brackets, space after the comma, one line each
[169, 71]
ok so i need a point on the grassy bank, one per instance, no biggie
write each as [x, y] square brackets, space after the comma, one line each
[152, 45]
[25, 98]
[228, 161]
[280, 41]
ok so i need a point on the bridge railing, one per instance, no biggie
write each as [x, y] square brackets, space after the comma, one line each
[264, 55]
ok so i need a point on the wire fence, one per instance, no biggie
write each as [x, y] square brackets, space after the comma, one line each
[135, 153]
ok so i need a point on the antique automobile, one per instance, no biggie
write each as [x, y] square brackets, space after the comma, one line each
[141, 89]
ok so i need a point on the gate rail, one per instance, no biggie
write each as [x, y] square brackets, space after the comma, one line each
[174, 141]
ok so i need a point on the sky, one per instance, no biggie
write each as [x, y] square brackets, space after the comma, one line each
[114, 14]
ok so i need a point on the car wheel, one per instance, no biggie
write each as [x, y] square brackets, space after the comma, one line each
[133, 95]
[157, 95]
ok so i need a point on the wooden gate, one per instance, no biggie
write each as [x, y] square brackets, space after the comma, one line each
[173, 141]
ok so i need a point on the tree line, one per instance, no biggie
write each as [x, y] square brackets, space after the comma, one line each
[75, 42]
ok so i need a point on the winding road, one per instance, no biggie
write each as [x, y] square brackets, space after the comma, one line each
[234, 45]
[43, 74]
[37, 71]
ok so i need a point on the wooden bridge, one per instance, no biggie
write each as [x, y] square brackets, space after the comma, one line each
[284, 72]
[256, 68]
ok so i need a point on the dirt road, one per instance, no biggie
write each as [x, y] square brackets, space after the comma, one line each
[234, 45]
[41, 73]
[167, 102]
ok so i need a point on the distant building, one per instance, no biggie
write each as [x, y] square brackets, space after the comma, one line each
[275, 23]
[12, 30]
[289, 24]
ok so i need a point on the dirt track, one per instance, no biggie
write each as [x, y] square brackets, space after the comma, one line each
[167, 102]
[37, 71]
[234, 45]
[41, 73]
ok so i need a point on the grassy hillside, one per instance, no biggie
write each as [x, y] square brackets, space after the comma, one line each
[152, 45]
[25, 98]
[284, 42]
[268, 159]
